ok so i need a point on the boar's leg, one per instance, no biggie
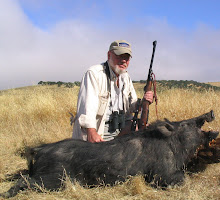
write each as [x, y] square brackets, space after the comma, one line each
[164, 181]
[211, 135]
[23, 183]
[176, 178]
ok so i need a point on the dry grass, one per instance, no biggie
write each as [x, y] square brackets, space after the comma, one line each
[33, 115]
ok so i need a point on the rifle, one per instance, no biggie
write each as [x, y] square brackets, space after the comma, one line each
[135, 118]
[144, 104]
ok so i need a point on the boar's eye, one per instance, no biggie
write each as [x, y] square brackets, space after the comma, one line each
[183, 124]
[188, 124]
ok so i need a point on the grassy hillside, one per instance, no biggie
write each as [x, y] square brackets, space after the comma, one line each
[185, 84]
[214, 83]
[40, 114]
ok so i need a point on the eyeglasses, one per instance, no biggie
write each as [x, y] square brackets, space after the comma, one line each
[125, 56]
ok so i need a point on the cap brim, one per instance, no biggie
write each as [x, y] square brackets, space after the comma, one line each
[122, 51]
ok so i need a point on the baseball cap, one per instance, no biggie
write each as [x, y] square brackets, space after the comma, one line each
[120, 47]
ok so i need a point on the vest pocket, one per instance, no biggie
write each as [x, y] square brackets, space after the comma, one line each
[103, 100]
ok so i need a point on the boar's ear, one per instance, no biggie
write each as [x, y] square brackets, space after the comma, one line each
[166, 129]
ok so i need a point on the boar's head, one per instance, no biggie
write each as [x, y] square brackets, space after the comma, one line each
[195, 124]
[186, 135]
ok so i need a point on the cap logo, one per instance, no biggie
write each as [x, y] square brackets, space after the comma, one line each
[123, 44]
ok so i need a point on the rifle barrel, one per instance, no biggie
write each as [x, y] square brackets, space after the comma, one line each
[152, 59]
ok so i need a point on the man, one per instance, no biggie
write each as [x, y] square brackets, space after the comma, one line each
[107, 97]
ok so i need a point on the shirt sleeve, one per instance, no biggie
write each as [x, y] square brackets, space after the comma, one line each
[88, 101]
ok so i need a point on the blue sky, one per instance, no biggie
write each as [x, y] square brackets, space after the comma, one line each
[57, 40]
[183, 14]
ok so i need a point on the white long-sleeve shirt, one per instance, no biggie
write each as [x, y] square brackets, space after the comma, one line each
[94, 98]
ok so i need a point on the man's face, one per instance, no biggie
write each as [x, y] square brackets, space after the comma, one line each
[118, 63]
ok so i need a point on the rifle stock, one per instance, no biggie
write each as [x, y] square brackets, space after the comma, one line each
[145, 108]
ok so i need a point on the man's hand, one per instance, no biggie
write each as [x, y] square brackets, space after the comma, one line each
[93, 136]
[149, 96]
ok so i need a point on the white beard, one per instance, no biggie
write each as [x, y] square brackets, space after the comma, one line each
[115, 68]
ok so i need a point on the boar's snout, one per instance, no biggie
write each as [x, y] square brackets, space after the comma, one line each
[207, 117]
[210, 116]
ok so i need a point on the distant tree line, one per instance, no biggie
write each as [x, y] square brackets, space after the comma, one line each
[60, 83]
[184, 84]
[162, 84]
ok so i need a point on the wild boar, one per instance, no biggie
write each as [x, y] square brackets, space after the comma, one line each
[160, 153]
